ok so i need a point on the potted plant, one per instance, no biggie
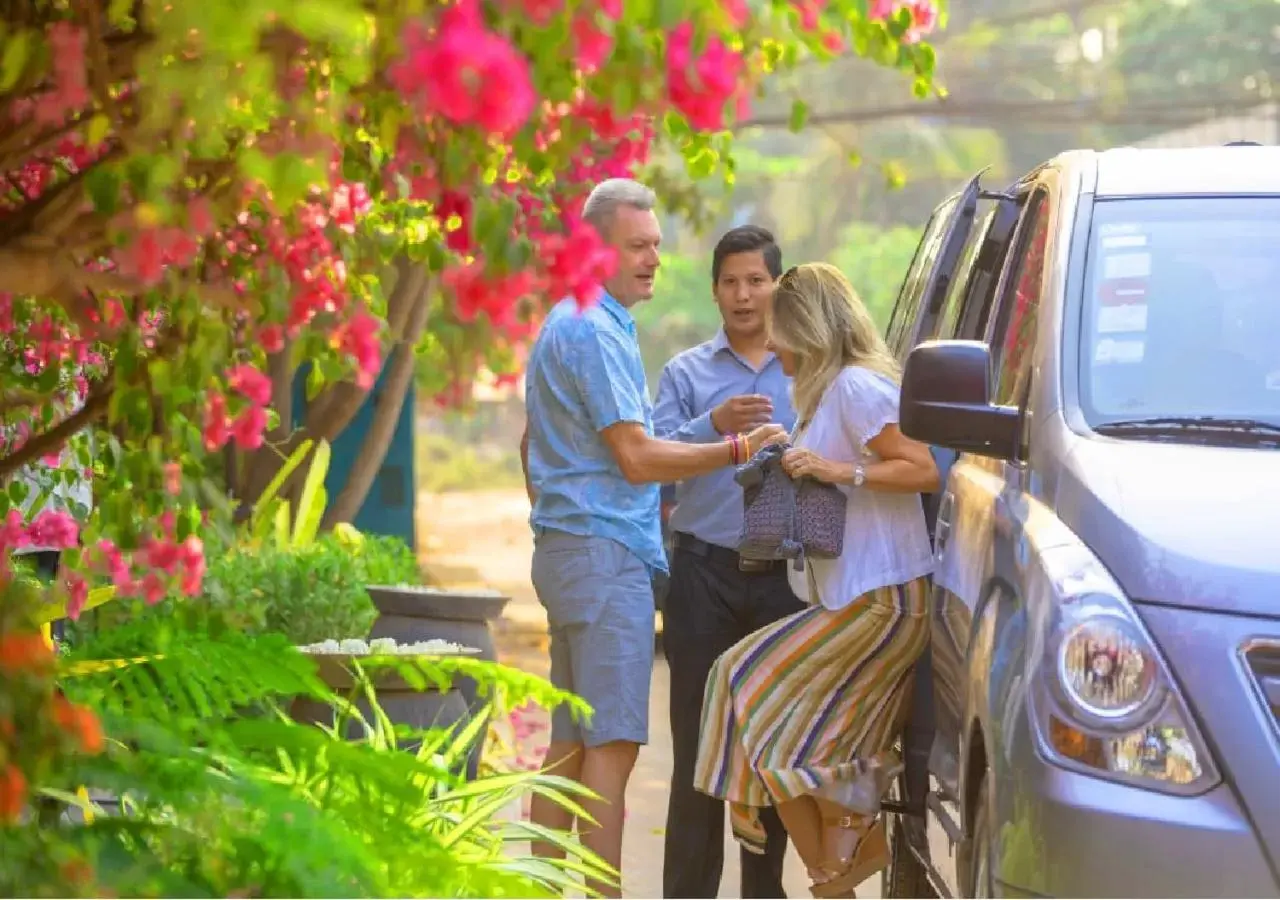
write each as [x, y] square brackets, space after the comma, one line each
[314, 594]
[412, 614]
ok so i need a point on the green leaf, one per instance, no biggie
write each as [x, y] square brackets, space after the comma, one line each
[98, 129]
[16, 53]
[799, 116]
[895, 176]
[280, 523]
[294, 460]
[702, 163]
[312, 500]
[926, 59]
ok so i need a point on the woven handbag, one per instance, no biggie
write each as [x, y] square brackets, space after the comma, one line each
[785, 518]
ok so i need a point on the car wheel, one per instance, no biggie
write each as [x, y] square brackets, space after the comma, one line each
[904, 876]
[979, 864]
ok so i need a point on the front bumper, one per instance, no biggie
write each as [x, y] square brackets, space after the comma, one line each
[1065, 834]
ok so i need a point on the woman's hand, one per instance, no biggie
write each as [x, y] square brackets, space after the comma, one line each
[764, 436]
[799, 462]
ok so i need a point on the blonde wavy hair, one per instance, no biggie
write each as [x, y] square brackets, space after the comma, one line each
[817, 316]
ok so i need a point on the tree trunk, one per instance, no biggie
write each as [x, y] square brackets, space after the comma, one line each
[386, 414]
[334, 408]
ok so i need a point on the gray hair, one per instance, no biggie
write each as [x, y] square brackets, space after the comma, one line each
[607, 196]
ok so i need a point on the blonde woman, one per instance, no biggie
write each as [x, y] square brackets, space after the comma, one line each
[802, 714]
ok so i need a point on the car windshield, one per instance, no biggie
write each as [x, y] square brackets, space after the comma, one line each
[1182, 316]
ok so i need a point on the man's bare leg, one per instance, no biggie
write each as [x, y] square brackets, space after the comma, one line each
[564, 758]
[605, 771]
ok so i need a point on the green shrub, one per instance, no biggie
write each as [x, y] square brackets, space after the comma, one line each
[308, 593]
[383, 559]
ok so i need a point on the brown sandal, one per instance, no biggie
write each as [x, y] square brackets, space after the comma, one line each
[869, 855]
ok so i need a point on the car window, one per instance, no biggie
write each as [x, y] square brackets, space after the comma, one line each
[902, 323]
[1013, 342]
[1182, 310]
[949, 319]
[979, 295]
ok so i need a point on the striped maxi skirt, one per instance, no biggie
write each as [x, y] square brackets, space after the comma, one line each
[812, 704]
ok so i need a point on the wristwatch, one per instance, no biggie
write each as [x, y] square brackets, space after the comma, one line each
[859, 475]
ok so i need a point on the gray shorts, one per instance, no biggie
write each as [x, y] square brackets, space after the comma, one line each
[599, 601]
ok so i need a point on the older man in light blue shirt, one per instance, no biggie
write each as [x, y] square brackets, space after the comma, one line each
[715, 598]
[592, 466]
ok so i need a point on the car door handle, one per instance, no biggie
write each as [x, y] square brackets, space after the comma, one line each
[942, 529]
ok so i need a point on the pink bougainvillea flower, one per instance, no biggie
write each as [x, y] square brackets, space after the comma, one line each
[248, 427]
[465, 73]
[878, 10]
[216, 431]
[699, 88]
[737, 11]
[54, 529]
[591, 44]
[250, 383]
[77, 589]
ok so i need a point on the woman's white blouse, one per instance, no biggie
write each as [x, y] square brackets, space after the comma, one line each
[885, 539]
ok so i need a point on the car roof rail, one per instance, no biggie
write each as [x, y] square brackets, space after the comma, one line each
[1242, 144]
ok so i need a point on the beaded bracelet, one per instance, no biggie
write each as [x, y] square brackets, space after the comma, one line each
[735, 451]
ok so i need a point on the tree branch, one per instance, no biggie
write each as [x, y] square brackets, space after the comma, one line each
[44, 271]
[47, 442]
[1023, 111]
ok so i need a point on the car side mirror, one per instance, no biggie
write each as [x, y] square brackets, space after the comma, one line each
[946, 400]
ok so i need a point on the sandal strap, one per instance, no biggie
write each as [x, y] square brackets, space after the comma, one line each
[850, 823]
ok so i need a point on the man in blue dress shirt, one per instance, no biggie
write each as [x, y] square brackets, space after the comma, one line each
[592, 468]
[715, 598]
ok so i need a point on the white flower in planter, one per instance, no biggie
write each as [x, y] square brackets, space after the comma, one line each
[386, 647]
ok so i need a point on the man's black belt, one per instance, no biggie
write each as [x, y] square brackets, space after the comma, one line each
[724, 555]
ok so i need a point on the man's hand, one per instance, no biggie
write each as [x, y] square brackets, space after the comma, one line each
[764, 436]
[742, 413]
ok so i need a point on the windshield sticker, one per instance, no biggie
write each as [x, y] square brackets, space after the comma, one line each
[1120, 228]
[1115, 352]
[1129, 317]
[1122, 291]
[1127, 265]
[1124, 240]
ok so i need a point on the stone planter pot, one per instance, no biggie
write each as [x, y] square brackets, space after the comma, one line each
[409, 614]
[402, 702]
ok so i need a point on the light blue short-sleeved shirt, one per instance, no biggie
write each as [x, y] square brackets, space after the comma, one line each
[585, 374]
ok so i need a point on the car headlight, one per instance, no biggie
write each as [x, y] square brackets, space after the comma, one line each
[1105, 701]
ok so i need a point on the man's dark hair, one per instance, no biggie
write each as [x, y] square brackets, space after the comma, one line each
[747, 239]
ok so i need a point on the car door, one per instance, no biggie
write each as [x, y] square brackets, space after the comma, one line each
[961, 256]
[970, 517]
[967, 306]
[925, 287]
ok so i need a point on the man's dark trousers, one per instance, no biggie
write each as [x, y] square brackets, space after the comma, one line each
[712, 604]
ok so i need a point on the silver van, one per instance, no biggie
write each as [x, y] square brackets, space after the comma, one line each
[1095, 355]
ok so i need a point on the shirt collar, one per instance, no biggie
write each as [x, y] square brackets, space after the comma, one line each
[616, 310]
[720, 343]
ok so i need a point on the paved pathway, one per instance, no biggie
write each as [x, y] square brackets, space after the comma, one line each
[481, 538]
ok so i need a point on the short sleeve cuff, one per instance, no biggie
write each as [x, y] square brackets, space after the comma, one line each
[702, 431]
